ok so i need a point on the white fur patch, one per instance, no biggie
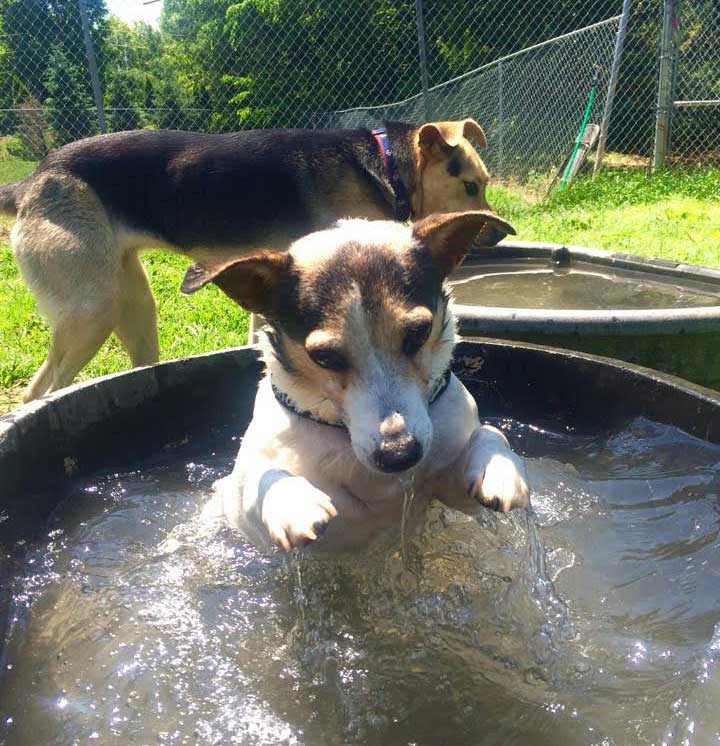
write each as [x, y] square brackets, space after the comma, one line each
[322, 244]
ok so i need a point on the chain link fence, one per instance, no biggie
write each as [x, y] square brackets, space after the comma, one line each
[530, 103]
[695, 131]
[524, 70]
[45, 92]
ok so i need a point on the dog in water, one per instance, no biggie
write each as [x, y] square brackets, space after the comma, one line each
[90, 206]
[359, 409]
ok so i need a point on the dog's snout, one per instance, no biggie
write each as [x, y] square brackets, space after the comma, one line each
[398, 453]
[399, 450]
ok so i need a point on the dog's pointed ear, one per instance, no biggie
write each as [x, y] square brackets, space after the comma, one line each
[250, 281]
[447, 237]
[432, 140]
[447, 135]
[474, 132]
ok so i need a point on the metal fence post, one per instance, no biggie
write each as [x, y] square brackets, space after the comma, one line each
[501, 119]
[423, 58]
[612, 85]
[92, 66]
[666, 76]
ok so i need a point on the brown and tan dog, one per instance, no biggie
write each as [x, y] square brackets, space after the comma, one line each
[89, 207]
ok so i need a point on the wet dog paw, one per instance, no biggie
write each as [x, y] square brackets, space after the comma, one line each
[295, 513]
[502, 485]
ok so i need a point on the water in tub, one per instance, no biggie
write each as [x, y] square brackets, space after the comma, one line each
[581, 287]
[592, 622]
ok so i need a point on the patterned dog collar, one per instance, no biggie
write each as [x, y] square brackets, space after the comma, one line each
[438, 390]
[402, 202]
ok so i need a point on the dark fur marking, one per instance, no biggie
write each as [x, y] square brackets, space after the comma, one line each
[415, 337]
[296, 318]
[379, 274]
[255, 187]
[454, 167]
[304, 304]
[280, 351]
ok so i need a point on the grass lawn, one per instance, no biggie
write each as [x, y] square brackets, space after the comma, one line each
[673, 216]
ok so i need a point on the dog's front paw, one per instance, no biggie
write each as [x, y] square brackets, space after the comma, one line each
[295, 513]
[502, 486]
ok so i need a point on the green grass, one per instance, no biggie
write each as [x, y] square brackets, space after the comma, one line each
[12, 170]
[673, 216]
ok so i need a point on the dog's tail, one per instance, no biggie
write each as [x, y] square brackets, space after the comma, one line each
[9, 198]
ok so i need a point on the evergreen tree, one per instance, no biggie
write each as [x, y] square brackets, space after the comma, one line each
[69, 107]
[122, 96]
[35, 27]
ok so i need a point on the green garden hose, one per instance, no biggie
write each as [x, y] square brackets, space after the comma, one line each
[586, 117]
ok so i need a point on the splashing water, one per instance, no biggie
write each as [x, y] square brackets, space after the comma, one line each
[591, 620]
[541, 583]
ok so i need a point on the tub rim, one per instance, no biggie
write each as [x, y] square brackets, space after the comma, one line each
[12, 424]
[617, 322]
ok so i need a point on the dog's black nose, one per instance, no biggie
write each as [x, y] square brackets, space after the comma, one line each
[398, 454]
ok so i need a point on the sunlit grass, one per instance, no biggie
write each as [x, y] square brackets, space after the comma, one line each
[673, 216]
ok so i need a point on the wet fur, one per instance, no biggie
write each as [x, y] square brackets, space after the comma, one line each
[362, 290]
[91, 206]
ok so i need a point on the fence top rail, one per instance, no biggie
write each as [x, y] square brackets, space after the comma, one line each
[488, 65]
[30, 110]
[699, 102]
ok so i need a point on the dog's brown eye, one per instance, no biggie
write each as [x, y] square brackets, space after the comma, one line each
[471, 188]
[329, 358]
[415, 338]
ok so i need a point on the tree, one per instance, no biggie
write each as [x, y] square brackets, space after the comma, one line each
[35, 27]
[142, 82]
[123, 94]
[201, 61]
[44, 61]
[69, 107]
[6, 100]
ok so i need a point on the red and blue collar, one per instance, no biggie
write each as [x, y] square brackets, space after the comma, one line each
[402, 201]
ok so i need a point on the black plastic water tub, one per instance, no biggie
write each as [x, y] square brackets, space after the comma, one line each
[96, 609]
[658, 314]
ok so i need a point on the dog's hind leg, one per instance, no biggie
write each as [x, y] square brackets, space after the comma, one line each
[40, 382]
[72, 347]
[255, 326]
[68, 254]
[253, 330]
[137, 321]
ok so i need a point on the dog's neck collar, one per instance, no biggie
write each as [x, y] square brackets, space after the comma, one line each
[438, 390]
[403, 210]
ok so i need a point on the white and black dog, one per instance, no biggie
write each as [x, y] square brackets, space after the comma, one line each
[359, 407]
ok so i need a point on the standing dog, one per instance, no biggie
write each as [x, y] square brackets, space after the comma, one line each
[89, 207]
[359, 408]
